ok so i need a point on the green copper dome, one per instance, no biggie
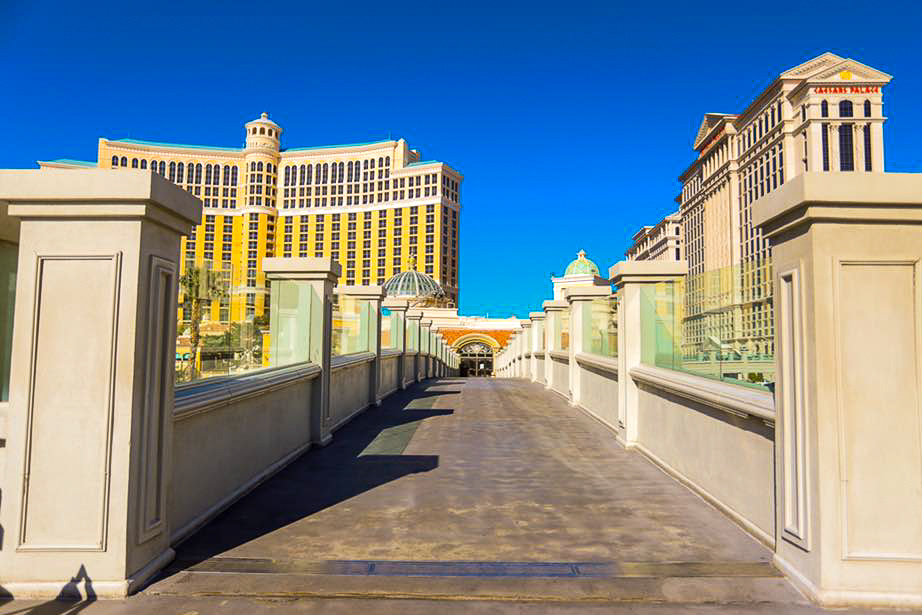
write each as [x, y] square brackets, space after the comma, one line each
[413, 284]
[582, 265]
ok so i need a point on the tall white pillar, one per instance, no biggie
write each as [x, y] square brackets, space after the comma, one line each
[90, 415]
[537, 345]
[847, 262]
[580, 298]
[630, 277]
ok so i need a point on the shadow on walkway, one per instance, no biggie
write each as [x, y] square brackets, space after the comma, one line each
[364, 454]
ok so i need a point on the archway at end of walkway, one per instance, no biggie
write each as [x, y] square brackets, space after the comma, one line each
[476, 352]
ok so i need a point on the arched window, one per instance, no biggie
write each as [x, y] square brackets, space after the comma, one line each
[867, 108]
[381, 162]
[846, 109]
[372, 163]
[305, 174]
[179, 171]
[326, 176]
[234, 176]
[349, 167]
[846, 148]
[773, 116]
[342, 168]
[253, 165]
[262, 130]
[190, 173]
[198, 173]
[163, 167]
[207, 174]
[867, 147]
[124, 161]
[824, 109]
[227, 174]
[217, 175]
[268, 167]
[153, 166]
[114, 161]
[259, 167]
[172, 171]
[143, 164]
[287, 176]
[134, 163]
[365, 164]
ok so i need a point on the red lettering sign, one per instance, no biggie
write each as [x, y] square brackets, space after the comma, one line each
[853, 89]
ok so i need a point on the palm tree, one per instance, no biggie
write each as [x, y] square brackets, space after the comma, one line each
[199, 287]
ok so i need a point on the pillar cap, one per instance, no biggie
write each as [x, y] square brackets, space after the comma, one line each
[99, 194]
[305, 268]
[536, 315]
[850, 197]
[365, 292]
[553, 304]
[646, 271]
[392, 303]
[586, 293]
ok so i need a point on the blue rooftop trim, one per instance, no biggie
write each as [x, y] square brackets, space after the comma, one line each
[416, 164]
[179, 145]
[79, 163]
[302, 149]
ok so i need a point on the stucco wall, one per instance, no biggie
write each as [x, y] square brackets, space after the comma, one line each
[727, 457]
[219, 451]
[598, 393]
[388, 383]
[409, 368]
[561, 376]
[349, 389]
[539, 369]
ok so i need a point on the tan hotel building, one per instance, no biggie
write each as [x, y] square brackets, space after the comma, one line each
[824, 115]
[369, 206]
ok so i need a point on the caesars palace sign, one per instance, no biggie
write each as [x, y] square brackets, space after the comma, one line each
[852, 89]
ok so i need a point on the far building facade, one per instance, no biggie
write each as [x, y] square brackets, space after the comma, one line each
[825, 115]
[662, 242]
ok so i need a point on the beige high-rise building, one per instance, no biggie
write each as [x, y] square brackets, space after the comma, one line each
[824, 115]
[662, 242]
[369, 206]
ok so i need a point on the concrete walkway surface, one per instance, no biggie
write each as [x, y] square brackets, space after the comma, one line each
[466, 495]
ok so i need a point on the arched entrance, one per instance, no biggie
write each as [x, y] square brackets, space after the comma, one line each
[476, 359]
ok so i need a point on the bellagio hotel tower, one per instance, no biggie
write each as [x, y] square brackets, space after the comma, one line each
[368, 206]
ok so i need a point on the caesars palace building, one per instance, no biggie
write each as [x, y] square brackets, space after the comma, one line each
[369, 206]
[825, 115]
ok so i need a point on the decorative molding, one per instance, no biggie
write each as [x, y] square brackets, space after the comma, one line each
[116, 272]
[562, 357]
[731, 398]
[599, 362]
[158, 389]
[214, 393]
[350, 360]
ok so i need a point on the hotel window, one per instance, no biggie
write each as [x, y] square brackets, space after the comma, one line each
[824, 109]
[180, 171]
[162, 168]
[846, 109]
[846, 147]
[134, 163]
[825, 146]
[867, 147]
[143, 164]
[198, 173]
[124, 161]
[114, 161]
[867, 108]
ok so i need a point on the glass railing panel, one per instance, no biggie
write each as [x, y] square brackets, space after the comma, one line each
[600, 326]
[390, 321]
[223, 329]
[9, 256]
[562, 330]
[351, 320]
[717, 324]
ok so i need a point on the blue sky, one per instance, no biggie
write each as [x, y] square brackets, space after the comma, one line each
[570, 124]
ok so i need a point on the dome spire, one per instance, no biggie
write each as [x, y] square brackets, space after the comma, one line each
[582, 265]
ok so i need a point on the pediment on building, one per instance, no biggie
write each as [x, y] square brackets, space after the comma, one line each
[707, 124]
[849, 71]
[810, 67]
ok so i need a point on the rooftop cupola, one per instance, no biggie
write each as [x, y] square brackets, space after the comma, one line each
[263, 134]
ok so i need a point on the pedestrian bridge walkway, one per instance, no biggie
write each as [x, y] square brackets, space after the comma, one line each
[475, 488]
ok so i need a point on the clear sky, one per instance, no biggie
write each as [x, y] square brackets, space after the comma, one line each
[570, 124]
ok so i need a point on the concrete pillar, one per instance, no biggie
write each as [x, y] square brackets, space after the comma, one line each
[847, 261]
[90, 414]
[526, 350]
[399, 333]
[537, 343]
[373, 295]
[630, 277]
[580, 298]
[313, 278]
[425, 341]
[414, 334]
[552, 311]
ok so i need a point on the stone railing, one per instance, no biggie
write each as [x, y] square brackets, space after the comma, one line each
[827, 468]
[108, 463]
